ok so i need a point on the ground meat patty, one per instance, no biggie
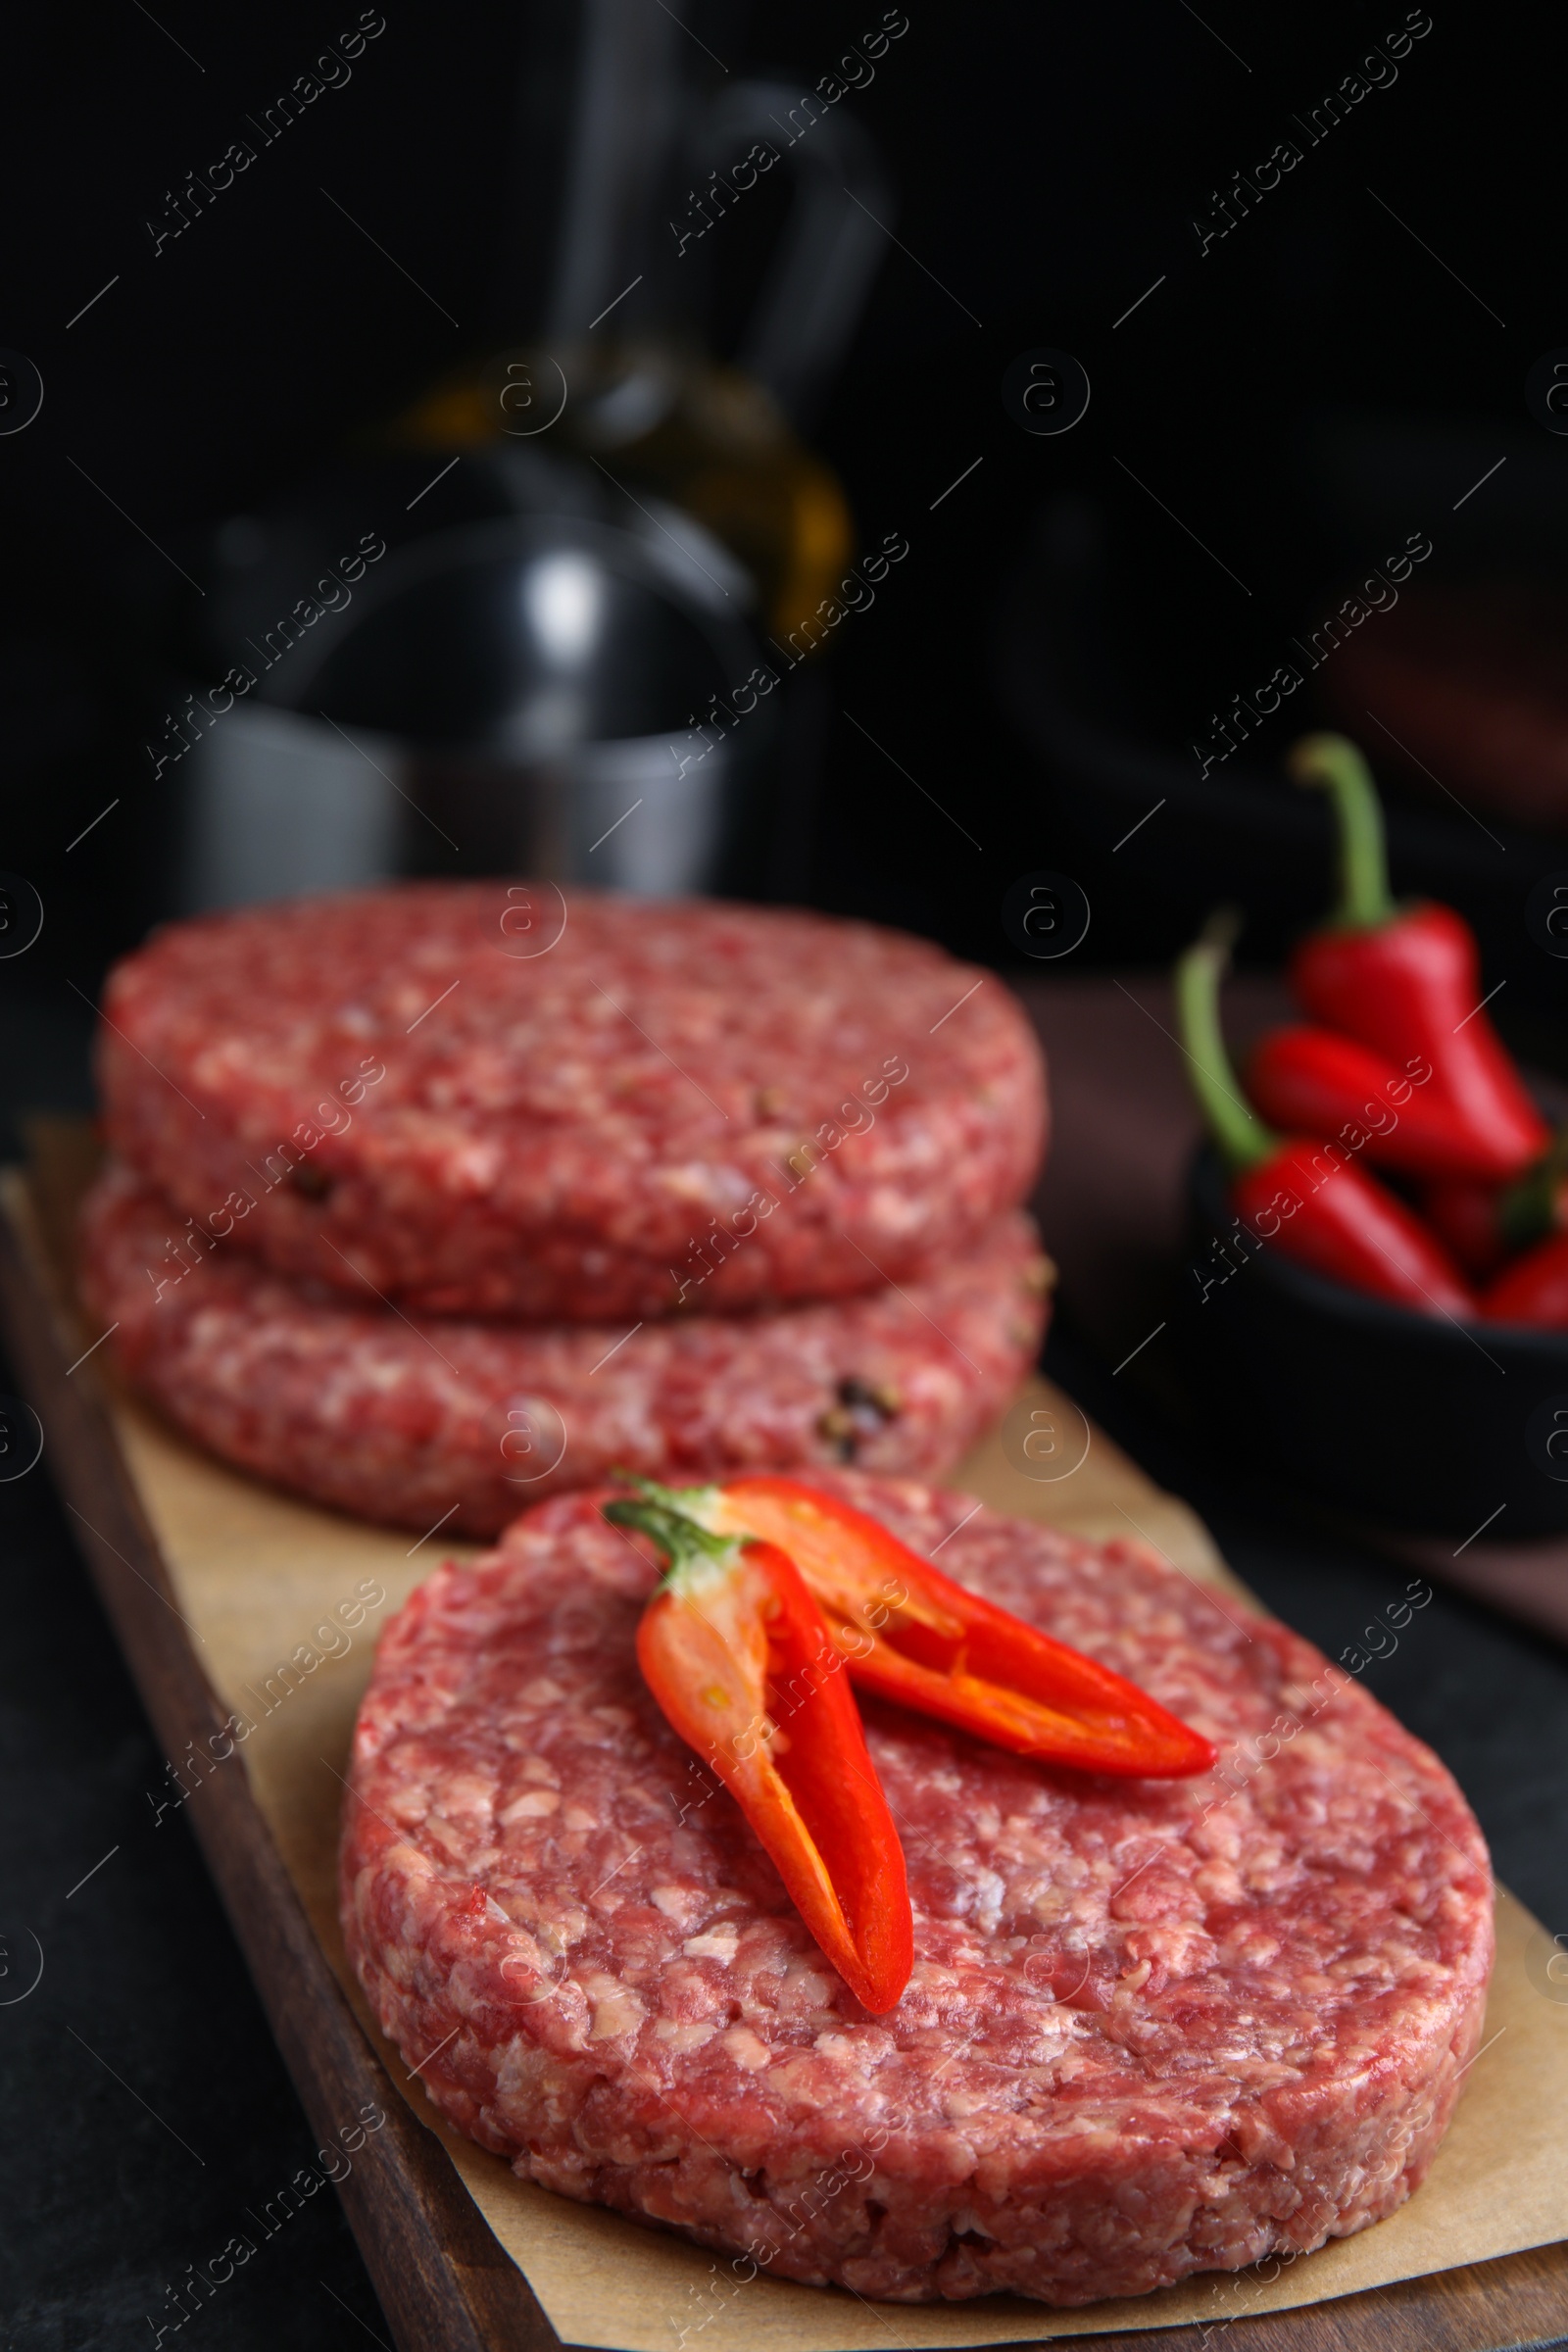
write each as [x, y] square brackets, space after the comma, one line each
[755, 1104]
[1153, 2028]
[415, 1420]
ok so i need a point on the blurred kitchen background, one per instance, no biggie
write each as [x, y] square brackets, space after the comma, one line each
[806, 371]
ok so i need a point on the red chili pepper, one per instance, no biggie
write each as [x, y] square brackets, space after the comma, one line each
[741, 1660]
[1484, 1224]
[1323, 1209]
[1316, 1082]
[1534, 1289]
[913, 1635]
[1407, 980]
[1466, 1216]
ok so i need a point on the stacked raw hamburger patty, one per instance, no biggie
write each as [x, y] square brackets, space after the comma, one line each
[436, 1198]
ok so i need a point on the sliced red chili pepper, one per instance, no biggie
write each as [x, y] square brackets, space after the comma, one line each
[913, 1635]
[1407, 980]
[1313, 1081]
[742, 1662]
[1312, 1201]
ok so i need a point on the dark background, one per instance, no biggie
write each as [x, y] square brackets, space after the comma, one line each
[1048, 164]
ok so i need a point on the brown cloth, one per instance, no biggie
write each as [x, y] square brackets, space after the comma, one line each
[1124, 1126]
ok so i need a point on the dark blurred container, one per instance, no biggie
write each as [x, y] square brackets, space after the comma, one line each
[1112, 682]
[544, 648]
[1415, 1422]
[533, 685]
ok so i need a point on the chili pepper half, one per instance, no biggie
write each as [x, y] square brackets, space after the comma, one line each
[1324, 1209]
[741, 1661]
[1407, 980]
[913, 1635]
[1318, 1081]
[1534, 1289]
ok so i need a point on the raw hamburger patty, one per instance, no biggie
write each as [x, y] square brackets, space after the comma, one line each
[759, 1104]
[1153, 2028]
[400, 1420]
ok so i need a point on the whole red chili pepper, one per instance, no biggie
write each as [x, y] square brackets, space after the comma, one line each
[1465, 1215]
[1484, 1223]
[913, 1635]
[740, 1658]
[1323, 1209]
[1407, 980]
[1317, 1081]
[1534, 1289]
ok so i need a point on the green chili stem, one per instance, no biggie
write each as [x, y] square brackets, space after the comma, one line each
[1332, 764]
[1527, 1208]
[1242, 1137]
[684, 1544]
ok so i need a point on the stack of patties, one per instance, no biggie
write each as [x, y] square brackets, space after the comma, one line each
[432, 1200]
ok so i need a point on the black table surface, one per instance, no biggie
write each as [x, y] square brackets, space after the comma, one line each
[149, 2117]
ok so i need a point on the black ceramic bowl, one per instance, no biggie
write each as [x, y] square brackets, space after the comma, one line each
[1410, 1420]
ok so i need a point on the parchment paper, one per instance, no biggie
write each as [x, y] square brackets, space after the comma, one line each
[262, 1581]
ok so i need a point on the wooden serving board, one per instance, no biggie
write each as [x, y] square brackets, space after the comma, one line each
[184, 1553]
